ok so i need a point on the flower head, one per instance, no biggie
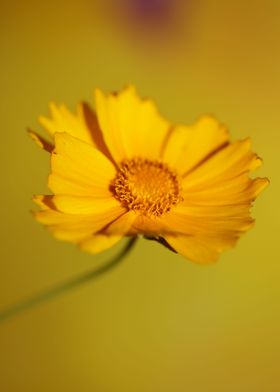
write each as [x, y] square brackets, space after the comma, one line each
[127, 171]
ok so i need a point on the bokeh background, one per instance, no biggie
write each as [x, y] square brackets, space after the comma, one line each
[157, 322]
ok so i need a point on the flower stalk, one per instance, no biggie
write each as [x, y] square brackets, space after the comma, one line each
[64, 287]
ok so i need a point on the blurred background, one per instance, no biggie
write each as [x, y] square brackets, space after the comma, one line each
[157, 322]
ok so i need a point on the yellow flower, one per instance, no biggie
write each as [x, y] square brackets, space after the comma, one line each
[128, 171]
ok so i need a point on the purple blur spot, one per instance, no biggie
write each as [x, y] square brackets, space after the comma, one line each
[151, 10]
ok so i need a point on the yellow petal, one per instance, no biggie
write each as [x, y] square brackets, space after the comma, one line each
[74, 236]
[82, 165]
[199, 250]
[149, 226]
[40, 141]
[74, 227]
[123, 224]
[62, 185]
[86, 205]
[239, 190]
[99, 242]
[235, 221]
[99, 218]
[131, 126]
[189, 145]
[77, 222]
[206, 211]
[90, 119]
[233, 160]
[62, 120]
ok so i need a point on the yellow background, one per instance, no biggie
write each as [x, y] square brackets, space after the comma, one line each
[157, 322]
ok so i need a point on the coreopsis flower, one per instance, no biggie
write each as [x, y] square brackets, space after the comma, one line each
[127, 171]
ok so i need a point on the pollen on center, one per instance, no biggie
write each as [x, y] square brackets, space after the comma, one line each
[149, 187]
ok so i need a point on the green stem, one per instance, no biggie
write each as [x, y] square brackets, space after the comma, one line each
[66, 286]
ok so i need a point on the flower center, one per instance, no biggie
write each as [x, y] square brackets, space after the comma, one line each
[149, 187]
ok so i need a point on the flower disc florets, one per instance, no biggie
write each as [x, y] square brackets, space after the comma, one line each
[147, 186]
